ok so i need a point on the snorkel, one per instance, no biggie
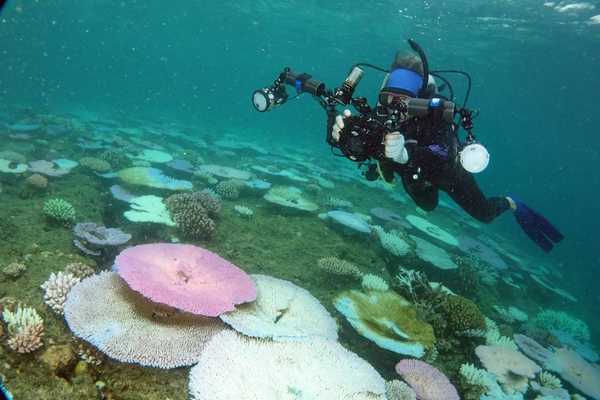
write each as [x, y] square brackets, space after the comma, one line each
[416, 47]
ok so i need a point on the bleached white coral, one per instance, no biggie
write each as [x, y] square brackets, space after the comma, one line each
[206, 177]
[392, 243]
[212, 193]
[243, 211]
[511, 314]
[491, 330]
[485, 382]
[285, 193]
[548, 380]
[477, 377]
[365, 217]
[57, 287]
[518, 314]
[325, 183]
[395, 245]
[504, 314]
[374, 282]
[21, 317]
[490, 325]
[493, 338]
[339, 203]
[149, 208]
[561, 321]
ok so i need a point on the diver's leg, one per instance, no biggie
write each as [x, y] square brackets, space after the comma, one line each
[463, 189]
[425, 195]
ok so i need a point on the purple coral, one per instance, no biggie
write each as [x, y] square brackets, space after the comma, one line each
[94, 238]
[532, 348]
[350, 220]
[388, 215]
[472, 246]
[81, 247]
[100, 235]
[181, 165]
[427, 382]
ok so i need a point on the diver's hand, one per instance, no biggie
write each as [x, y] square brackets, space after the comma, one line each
[394, 147]
[339, 125]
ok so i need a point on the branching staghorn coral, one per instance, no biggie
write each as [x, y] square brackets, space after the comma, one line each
[486, 272]
[415, 286]
[426, 297]
[336, 266]
[25, 329]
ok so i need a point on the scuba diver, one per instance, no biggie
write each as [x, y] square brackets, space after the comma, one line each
[412, 133]
[425, 153]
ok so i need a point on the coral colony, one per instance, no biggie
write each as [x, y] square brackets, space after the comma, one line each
[134, 248]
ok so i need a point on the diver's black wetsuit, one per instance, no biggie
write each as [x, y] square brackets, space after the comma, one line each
[432, 149]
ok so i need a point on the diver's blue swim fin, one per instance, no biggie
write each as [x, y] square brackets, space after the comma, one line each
[538, 228]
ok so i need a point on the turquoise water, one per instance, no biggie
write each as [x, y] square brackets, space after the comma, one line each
[534, 68]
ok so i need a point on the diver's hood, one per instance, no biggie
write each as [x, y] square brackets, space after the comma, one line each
[402, 82]
[407, 83]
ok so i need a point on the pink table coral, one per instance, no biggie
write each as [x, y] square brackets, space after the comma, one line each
[427, 382]
[186, 277]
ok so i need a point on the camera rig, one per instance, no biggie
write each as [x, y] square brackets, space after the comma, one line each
[363, 135]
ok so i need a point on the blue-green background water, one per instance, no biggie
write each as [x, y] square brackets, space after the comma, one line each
[535, 74]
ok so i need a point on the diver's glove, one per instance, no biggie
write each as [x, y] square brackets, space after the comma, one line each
[538, 228]
[394, 147]
[339, 125]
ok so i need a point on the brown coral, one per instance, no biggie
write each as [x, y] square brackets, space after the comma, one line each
[191, 216]
[14, 270]
[209, 202]
[79, 270]
[336, 266]
[27, 338]
[37, 181]
[95, 164]
[462, 314]
[230, 189]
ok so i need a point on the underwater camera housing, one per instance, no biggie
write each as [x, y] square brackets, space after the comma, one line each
[363, 137]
